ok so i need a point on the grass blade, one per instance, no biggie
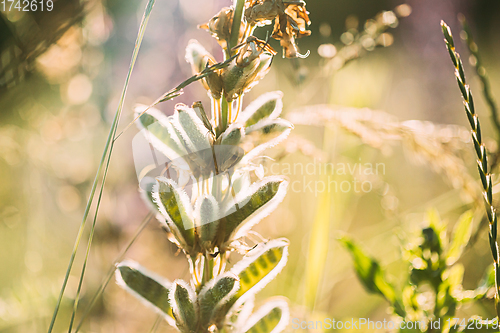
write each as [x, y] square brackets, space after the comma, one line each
[318, 248]
[156, 324]
[111, 271]
[106, 154]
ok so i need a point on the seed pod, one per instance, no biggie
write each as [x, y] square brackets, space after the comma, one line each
[251, 64]
[200, 112]
[199, 58]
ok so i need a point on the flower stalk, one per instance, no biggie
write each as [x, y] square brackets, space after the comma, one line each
[207, 191]
[235, 29]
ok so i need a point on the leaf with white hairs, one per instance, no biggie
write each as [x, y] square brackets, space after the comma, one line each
[214, 295]
[259, 268]
[184, 306]
[207, 215]
[270, 132]
[148, 287]
[252, 205]
[159, 131]
[272, 317]
[266, 106]
[191, 128]
[174, 204]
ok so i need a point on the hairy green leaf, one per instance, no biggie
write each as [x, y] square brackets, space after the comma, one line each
[214, 295]
[228, 153]
[207, 214]
[175, 206]
[270, 318]
[266, 134]
[148, 287]
[184, 307]
[232, 135]
[159, 131]
[267, 106]
[252, 205]
[191, 128]
[259, 267]
[269, 127]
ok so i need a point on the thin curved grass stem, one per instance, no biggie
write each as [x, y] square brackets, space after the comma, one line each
[111, 271]
[106, 154]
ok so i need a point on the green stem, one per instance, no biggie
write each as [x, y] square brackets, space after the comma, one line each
[235, 28]
[106, 154]
[112, 269]
[208, 268]
[224, 116]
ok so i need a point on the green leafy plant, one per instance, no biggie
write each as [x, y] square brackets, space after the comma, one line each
[209, 193]
[432, 291]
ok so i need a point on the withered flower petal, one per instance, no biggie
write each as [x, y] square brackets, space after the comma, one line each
[298, 15]
[262, 12]
[219, 26]
[291, 24]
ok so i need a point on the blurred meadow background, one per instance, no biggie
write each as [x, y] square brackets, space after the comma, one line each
[61, 75]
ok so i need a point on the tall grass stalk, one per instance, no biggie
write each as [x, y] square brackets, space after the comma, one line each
[111, 271]
[482, 161]
[108, 149]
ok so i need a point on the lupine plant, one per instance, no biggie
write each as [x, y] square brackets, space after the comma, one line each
[210, 190]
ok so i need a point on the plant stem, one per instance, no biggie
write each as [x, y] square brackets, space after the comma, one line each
[235, 28]
[111, 271]
[224, 115]
[106, 154]
[482, 161]
[208, 268]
